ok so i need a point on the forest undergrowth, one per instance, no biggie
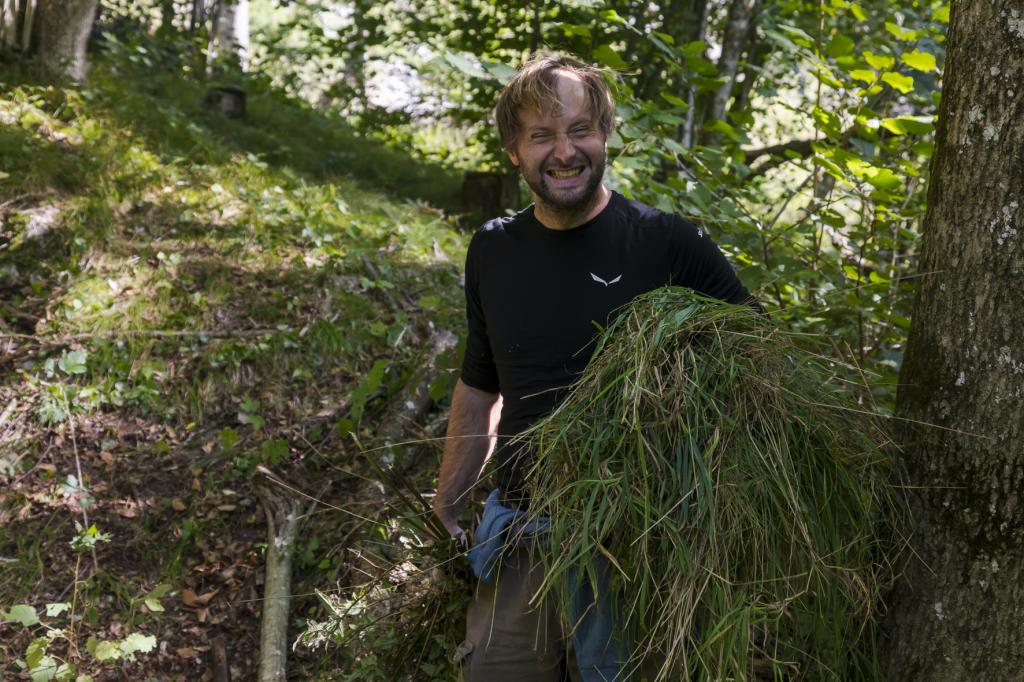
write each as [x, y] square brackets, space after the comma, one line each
[185, 298]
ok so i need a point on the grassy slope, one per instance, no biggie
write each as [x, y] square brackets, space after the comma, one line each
[129, 215]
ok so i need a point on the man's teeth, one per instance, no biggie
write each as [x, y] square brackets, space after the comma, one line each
[566, 173]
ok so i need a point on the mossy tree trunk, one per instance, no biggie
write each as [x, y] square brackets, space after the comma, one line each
[65, 27]
[958, 612]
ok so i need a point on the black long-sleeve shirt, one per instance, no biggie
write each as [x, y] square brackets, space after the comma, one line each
[535, 297]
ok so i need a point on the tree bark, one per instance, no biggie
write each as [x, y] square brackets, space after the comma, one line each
[741, 20]
[65, 28]
[198, 15]
[8, 23]
[229, 39]
[284, 514]
[18, 24]
[957, 613]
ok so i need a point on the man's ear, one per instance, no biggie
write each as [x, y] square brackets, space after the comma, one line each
[512, 156]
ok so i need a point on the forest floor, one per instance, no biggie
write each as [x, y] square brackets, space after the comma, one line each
[185, 298]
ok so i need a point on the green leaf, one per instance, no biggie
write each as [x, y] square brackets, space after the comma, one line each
[274, 451]
[799, 36]
[65, 673]
[429, 302]
[914, 125]
[45, 670]
[879, 61]
[718, 126]
[73, 362]
[105, 651]
[576, 30]
[922, 61]
[825, 76]
[942, 14]
[36, 651]
[676, 101]
[503, 72]
[858, 11]
[470, 68]
[899, 32]
[344, 427]
[902, 83]
[885, 180]
[254, 420]
[839, 46]
[153, 605]
[866, 75]
[228, 438]
[55, 609]
[137, 643]
[828, 122]
[24, 614]
[609, 57]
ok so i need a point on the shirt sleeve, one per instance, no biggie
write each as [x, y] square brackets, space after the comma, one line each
[700, 265]
[478, 368]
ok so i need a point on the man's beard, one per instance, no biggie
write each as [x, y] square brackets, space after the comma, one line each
[572, 205]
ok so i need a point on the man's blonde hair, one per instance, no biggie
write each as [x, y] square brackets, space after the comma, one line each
[534, 87]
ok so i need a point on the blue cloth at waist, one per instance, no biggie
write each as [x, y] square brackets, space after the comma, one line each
[599, 653]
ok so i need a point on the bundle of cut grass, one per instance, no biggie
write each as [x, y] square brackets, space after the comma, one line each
[736, 484]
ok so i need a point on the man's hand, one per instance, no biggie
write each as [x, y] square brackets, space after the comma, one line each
[466, 447]
[455, 530]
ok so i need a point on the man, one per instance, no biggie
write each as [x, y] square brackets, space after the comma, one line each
[536, 285]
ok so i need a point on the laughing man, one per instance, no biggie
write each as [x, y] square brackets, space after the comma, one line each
[536, 283]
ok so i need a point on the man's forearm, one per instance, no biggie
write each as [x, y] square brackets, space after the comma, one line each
[465, 450]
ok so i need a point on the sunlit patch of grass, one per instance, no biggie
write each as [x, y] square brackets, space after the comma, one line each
[201, 270]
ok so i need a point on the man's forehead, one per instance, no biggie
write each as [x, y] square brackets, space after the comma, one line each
[571, 96]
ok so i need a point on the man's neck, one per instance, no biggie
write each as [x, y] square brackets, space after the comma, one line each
[557, 219]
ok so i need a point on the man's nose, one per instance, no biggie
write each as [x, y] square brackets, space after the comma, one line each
[564, 148]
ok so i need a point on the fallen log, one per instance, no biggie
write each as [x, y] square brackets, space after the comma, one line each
[285, 512]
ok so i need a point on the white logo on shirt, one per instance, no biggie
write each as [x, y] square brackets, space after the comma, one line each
[611, 281]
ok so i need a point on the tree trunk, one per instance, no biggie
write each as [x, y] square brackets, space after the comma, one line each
[167, 16]
[8, 23]
[738, 26]
[18, 24]
[229, 39]
[957, 613]
[65, 28]
[198, 14]
[686, 20]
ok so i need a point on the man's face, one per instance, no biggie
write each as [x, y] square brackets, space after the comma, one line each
[562, 157]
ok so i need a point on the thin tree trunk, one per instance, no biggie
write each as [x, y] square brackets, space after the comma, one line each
[734, 40]
[8, 23]
[695, 18]
[758, 53]
[229, 38]
[65, 28]
[167, 15]
[27, 22]
[198, 14]
[957, 613]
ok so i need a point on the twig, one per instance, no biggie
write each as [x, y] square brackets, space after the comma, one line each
[80, 482]
[221, 668]
[20, 197]
[209, 333]
[389, 298]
